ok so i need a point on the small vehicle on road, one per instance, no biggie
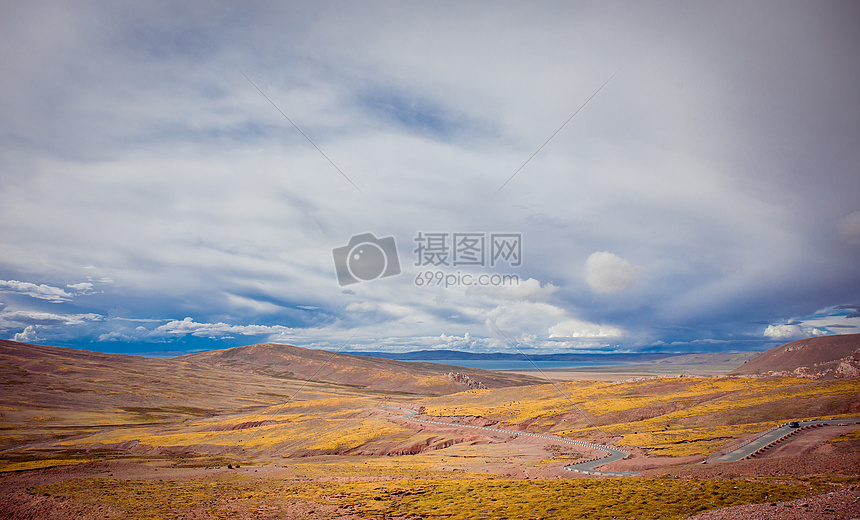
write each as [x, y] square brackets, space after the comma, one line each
[794, 424]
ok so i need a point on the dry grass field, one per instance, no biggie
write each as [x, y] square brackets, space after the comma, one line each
[460, 498]
[98, 436]
[665, 416]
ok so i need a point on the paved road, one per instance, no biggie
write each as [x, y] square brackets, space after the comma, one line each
[774, 435]
[613, 454]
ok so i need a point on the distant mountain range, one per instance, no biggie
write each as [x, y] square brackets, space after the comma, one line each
[451, 355]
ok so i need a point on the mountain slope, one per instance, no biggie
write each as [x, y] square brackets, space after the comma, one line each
[63, 381]
[56, 392]
[366, 372]
[827, 357]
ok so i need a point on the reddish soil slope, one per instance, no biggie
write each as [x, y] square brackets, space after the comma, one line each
[827, 357]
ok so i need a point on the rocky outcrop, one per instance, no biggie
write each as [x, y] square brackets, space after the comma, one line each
[463, 379]
[826, 357]
[847, 367]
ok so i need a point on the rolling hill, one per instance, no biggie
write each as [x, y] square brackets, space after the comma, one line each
[365, 372]
[55, 392]
[823, 357]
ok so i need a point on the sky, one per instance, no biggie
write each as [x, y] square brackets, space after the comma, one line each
[394, 176]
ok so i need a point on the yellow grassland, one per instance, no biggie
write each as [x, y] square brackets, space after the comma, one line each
[12, 439]
[41, 463]
[852, 436]
[463, 497]
[327, 467]
[665, 416]
[325, 425]
[671, 416]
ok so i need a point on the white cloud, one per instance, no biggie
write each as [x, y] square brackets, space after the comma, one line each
[220, 330]
[542, 325]
[579, 329]
[465, 342]
[41, 291]
[45, 326]
[784, 332]
[608, 273]
[525, 317]
[362, 307]
[250, 304]
[84, 288]
[838, 319]
[28, 335]
[8, 318]
[527, 290]
[792, 332]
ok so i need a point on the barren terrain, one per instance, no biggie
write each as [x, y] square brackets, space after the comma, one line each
[827, 357]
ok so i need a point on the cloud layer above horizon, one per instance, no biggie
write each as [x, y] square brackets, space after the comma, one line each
[176, 176]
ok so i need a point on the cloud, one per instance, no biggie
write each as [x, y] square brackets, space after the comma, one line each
[465, 342]
[8, 318]
[579, 329]
[608, 273]
[362, 307]
[250, 304]
[784, 332]
[28, 335]
[137, 158]
[546, 326]
[219, 330]
[826, 321]
[792, 332]
[41, 291]
[526, 290]
[84, 288]
[40, 326]
[524, 317]
[849, 227]
[854, 308]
